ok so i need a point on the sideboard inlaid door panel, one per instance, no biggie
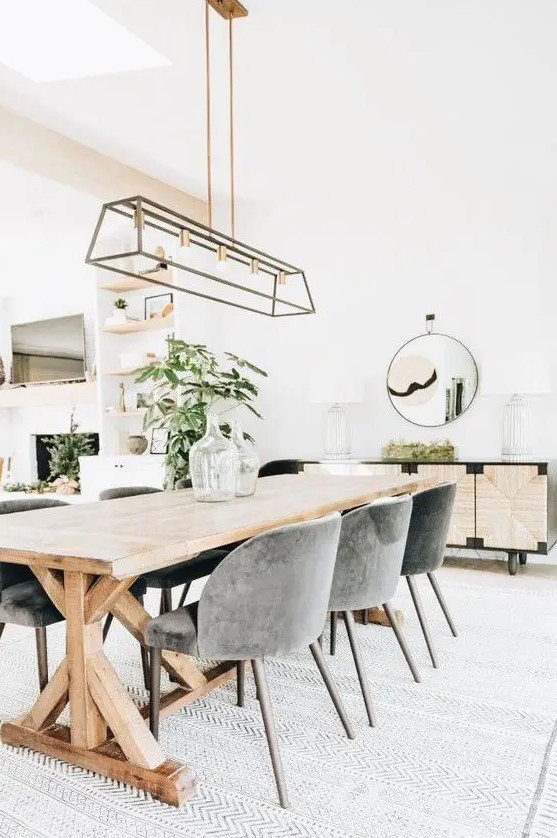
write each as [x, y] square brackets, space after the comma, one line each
[511, 508]
[463, 524]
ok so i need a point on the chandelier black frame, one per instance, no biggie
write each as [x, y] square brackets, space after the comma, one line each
[143, 212]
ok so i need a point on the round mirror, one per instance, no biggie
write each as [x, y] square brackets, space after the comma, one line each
[432, 380]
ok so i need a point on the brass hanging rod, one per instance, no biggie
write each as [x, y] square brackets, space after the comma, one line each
[229, 8]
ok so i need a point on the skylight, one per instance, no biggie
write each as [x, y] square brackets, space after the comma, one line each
[53, 40]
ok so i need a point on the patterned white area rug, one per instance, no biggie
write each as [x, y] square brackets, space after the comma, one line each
[469, 753]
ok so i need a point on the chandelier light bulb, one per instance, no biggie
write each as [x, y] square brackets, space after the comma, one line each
[184, 239]
[254, 266]
[222, 257]
[281, 278]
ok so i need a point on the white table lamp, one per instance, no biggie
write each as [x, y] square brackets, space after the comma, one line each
[516, 375]
[337, 393]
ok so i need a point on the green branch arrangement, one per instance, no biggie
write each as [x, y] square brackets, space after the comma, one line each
[188, 384]
[65, 450]
[400, 449]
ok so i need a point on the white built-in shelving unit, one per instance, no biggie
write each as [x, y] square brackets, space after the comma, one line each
[117, 343]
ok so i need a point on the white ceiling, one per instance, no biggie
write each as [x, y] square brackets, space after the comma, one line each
[327, 92]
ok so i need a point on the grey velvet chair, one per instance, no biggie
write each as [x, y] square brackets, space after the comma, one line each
[275, 467]
[269, 596]
[425, 549]
[171, 577]
[367, 571]
[23, 600]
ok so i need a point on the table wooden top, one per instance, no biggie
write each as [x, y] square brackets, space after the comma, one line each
[130, 536]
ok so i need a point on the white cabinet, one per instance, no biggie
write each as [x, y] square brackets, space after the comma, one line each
[98, 473]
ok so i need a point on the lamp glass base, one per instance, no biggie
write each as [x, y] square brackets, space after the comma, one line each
[336, 434]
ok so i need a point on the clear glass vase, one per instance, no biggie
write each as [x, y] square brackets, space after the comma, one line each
[248, 463]
[213, 465]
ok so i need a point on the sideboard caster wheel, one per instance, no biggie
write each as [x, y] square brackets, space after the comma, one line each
[523, 558]
[513, 563]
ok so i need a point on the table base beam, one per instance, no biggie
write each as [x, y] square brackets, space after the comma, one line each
[174, 700]
[172, 781]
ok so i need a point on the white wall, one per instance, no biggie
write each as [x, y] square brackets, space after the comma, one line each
[411, 168]
[43, 275]
[404, 154]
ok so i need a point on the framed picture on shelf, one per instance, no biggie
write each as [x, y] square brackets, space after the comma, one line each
[161, 305]
[159, 441]
[143, 400]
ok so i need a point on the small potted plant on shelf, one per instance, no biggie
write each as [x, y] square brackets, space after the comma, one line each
[119, 311]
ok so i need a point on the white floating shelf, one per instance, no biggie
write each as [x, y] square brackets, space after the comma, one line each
[123, 372]
[35, 395]
[126, 283]
[141, 325]
[131, 283]
[119, 414]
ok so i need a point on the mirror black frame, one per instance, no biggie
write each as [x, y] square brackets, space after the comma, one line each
[442, 335]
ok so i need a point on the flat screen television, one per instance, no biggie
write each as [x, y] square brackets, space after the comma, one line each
[48, 350]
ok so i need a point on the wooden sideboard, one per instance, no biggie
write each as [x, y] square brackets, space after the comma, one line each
[508, 507]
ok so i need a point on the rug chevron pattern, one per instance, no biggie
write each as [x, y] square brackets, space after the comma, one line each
[469, 753]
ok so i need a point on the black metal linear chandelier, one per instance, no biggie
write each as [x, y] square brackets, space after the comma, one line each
[165, 248]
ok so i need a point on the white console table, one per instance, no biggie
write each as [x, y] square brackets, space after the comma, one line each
[98, 473]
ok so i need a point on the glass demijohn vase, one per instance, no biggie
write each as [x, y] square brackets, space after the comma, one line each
[248, 465]
[213, 465]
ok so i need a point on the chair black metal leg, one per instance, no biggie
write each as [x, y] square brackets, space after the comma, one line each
[523, 558]
[2, 627]
[42, 656]
[269, 723]
[166, 601]
[391, 614]
[421, 617]
[319, 659]
[334, 620]
[145, 666]
[365, 616]
[360, 668]
[107, 624]
[185, 592]
[240, 682]
[435, 585]
[155, 690]
[144, 657]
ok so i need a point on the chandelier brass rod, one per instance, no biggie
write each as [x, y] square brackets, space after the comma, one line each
[208, 115]
[231, 120]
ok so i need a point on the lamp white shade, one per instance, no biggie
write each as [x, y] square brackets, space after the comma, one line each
[524, 373]
[336, 390]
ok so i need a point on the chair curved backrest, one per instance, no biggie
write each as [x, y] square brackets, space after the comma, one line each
[370, 553]
[269, 596]
[127, 492]
[429, 529]
[280, 467]
[11, 574]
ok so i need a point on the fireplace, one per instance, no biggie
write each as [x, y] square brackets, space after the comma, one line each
[41, 451]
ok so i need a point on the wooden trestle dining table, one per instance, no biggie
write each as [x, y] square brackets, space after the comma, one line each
[88, 555]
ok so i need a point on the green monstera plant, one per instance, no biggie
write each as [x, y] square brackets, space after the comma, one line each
[187, 384]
